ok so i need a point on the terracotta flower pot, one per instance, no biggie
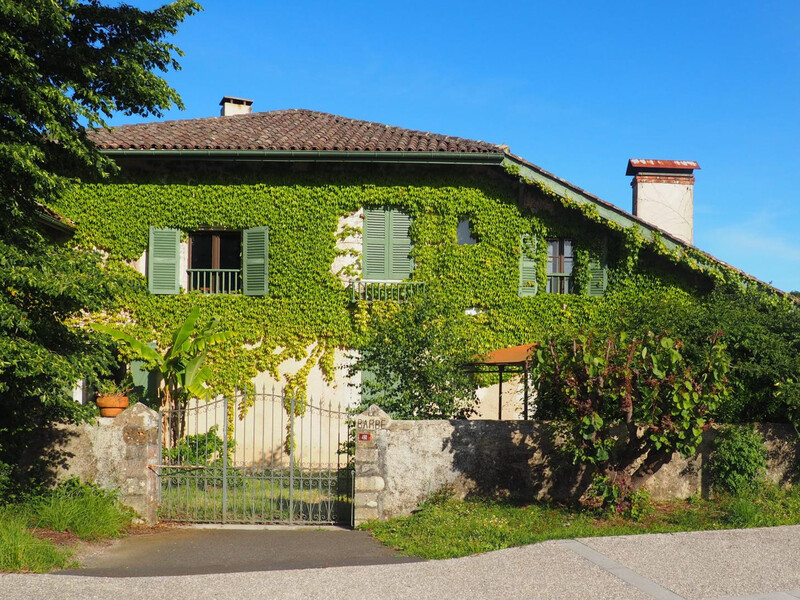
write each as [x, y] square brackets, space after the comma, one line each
[111, 406]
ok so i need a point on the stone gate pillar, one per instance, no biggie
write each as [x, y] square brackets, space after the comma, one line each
[369, 481]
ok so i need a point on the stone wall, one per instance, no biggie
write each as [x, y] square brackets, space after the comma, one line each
[116, 454]
[400, 463]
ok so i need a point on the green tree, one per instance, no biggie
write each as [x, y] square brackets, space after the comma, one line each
[64, 65]
[762, 336]
[414, 357]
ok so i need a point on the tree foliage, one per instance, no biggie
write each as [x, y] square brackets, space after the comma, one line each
[625, 405]
[762, 336]
[414, 358]
[67, 64]
[64, 64]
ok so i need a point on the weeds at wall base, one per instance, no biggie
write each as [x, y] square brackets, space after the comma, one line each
[444, 527]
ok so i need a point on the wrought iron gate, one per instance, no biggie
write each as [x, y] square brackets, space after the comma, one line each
[256, 458]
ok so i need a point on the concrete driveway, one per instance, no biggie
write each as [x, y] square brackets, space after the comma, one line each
[746, 564]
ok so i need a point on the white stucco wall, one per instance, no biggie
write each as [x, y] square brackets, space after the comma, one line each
[347, 265]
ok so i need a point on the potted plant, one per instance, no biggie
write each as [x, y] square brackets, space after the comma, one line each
[112, 399]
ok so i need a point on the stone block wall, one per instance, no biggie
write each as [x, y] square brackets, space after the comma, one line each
[401, 463]
[116, 454]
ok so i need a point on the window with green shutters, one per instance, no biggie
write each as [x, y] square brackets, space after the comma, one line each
[215, 261]
[387, 244]
[527, 266]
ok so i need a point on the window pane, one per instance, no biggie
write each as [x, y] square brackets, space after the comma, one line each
[464, 233]
[230, 250]
[568, 248]
[568, 265]
[200, 244]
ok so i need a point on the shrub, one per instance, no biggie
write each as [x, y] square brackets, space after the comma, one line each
[199, 449]
[616, 498]
[739, 459]
[624, 405]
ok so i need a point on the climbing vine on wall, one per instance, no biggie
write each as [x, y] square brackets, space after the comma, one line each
[307, 314]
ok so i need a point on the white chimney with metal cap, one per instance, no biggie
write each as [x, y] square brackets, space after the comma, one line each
[235, 106]
[663, 194]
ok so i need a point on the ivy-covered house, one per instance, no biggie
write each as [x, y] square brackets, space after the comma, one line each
[295, 227]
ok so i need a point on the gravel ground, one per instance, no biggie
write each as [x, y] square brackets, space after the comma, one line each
[713, 564]
[755, 563]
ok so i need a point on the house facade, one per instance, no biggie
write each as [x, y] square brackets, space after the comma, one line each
[295, 227]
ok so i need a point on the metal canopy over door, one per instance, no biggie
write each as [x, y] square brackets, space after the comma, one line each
[256, 458]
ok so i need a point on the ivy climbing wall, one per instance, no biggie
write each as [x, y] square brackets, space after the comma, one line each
[314, 214]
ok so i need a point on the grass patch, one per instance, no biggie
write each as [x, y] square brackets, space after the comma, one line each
[446, 528]
[21, 551]
[85, 510]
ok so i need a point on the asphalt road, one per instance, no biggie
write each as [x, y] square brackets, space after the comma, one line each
[746, 564]
[199, 551]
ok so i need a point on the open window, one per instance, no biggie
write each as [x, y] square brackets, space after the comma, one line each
[219, 262]
[215, 262]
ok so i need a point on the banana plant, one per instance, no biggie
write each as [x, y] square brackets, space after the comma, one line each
[180, 366]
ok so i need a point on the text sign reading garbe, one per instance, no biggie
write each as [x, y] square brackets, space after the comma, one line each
[371, 423]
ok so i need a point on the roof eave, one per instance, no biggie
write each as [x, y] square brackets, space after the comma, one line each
[472, 158]
[54, 223]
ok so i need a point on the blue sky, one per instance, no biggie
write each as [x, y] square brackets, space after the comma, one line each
[577, 89]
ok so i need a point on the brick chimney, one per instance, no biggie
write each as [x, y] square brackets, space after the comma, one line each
[235, 106]
[663, 194]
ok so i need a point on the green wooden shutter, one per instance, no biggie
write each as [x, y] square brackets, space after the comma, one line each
[528, 273]
[598, 271]
[374, 254]
[400, 245]
[387, 244]
[255, 261]
[163, 261]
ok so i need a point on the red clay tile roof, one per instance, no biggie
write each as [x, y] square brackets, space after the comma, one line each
[297, 129]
